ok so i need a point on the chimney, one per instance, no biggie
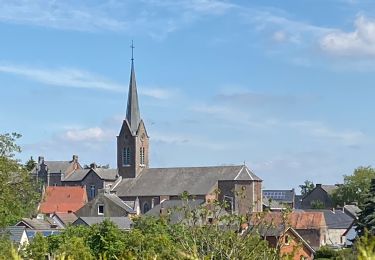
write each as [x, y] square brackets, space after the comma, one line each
[93, 165]
[40, 160]
[75, 158]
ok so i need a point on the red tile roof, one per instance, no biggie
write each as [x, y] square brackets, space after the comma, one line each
[297, 220]
[63, 199]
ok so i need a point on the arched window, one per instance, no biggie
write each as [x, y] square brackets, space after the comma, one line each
[126, 156]
[146, 207]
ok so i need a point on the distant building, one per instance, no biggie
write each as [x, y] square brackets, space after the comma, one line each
[320, 196]
[150, 186]
[17, 234]
[123, 223]
[51, 173]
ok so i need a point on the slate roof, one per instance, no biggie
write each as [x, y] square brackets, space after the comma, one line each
[352, 210]
[15, 233]
[57, 166]
[115, 199]
[286, 196]
[174, 208]
[66, 218]
[34, 223]
[104, 174]
[329, 188]
[335, 219]
[274, 204]
[63, 199]
[174, 181]
[133, 116]
[121, 222]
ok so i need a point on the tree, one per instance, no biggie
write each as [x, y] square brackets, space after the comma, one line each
[306, 187]
[355, 186]
[30, 164]
[18, 192]
[75, 248]
[366, 218]
[38, 247]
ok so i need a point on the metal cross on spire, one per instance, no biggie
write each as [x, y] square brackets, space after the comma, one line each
[132, 46]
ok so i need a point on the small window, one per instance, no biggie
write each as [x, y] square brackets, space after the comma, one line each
[100, 209]
[142, 155]
[229, 203]
[286, 240]
[146, 207]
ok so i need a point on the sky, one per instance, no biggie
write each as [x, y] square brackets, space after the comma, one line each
[285, 87]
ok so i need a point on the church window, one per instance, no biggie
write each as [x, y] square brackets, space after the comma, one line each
[146, 207]
[126, 156]
[142, 155]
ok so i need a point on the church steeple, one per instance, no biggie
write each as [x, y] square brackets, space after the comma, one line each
[132, 110]
[133, 141]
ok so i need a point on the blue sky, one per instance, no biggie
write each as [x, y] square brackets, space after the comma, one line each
[286, 86]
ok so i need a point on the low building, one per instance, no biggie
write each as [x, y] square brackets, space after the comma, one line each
[276, 200]
[105, 204]
[17, 234]
[63, 219]
[63, 199]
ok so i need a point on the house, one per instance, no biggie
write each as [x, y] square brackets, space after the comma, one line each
[17, 234]
[105, 204]
[93, 179]
[123, 223]
[64, 219]
[288, 241]
[63, 199]
[278, 199]
[51, 173]
[319, 197]
[309, 225]
[337, 225]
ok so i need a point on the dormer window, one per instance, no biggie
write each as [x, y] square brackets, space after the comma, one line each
[100, 209]
[126, 156]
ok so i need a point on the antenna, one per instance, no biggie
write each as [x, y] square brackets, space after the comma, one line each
[132, 47]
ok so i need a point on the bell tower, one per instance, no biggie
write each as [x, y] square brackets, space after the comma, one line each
[132, 141]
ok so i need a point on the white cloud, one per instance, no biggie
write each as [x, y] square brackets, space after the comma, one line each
[279, 36]
[63, 77]
[90, 134]
[360, 42]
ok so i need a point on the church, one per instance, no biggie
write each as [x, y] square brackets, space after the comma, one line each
[142, 187]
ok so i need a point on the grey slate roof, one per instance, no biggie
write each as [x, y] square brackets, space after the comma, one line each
[286, 196]
[336, 219]
[15, 233]
[133, 116]
[35, 223]
[174, 181]
[115, 199]
[66, 218]
[56, 166]
[329, 188]
[174, 207]
[352, 210]
[77, 175]
[104, 174]
[121, 222]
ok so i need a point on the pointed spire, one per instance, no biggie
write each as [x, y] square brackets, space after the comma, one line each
[132, 110]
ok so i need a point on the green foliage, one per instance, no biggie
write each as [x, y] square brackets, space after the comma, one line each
[365, 247]
[18, 194]
[38, 248]
[75, 248]
[355, 187]
[306, 187]
[30, 164]
[325, 252]
[6, 247]
[366, 218]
